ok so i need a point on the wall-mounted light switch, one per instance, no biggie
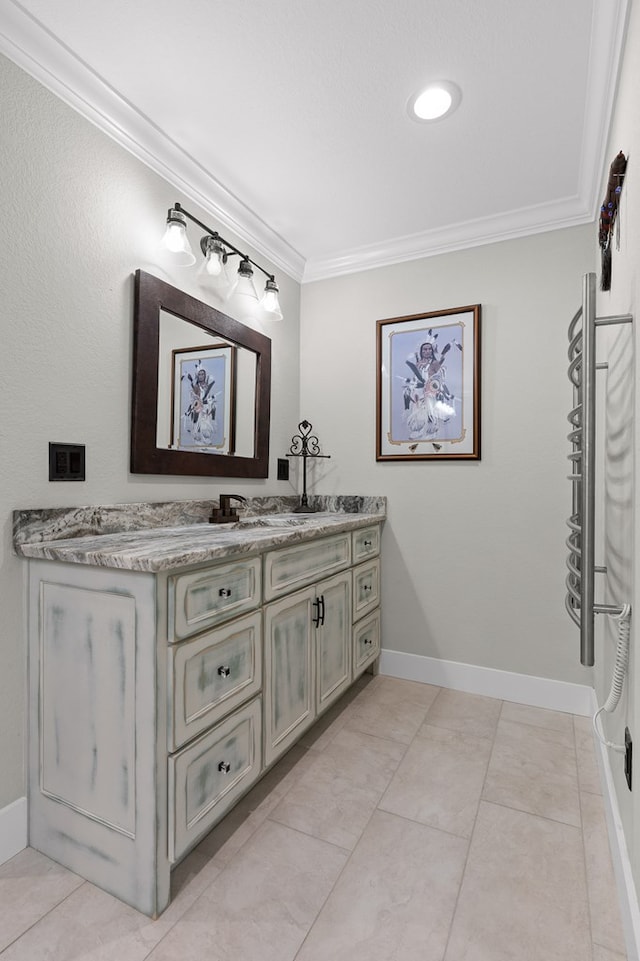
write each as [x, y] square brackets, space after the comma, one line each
[67, 462]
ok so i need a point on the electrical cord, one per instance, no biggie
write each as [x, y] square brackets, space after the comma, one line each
[617, 681]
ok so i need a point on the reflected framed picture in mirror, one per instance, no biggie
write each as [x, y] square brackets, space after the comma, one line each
[174, 336]
[203, 399]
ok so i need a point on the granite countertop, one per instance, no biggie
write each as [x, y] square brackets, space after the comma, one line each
[144, 543]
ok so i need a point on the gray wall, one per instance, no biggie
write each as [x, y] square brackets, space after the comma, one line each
[79, 216]
[474, 552]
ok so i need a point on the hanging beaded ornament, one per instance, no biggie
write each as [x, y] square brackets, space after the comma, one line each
[609, 219]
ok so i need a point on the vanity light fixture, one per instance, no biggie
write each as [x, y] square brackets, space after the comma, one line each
[434, 102]
[216, 252]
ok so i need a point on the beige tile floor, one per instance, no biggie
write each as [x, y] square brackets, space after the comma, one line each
[412, 823]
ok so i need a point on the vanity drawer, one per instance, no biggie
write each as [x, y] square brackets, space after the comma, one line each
[366, 543]
[290, 568]
[213, 674]
[366, 588]
[211, 774]
[204, 598]
[366, 642]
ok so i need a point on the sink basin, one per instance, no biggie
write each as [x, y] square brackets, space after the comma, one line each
[276, 520]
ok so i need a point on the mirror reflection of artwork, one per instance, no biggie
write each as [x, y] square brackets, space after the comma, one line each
[204, 399]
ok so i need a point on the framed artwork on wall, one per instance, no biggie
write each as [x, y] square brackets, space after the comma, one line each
[203, 401]
[428, 386]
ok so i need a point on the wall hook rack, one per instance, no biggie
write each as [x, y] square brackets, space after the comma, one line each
[305, 445]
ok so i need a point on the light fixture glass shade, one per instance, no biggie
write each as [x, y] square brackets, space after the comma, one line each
[270, 302]
[245, 286]
[212, 272]
[214, 256]
[175, 239]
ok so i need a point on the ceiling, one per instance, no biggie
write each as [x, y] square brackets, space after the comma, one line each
[286, 119]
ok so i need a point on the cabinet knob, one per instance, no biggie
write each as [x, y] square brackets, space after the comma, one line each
[224, 592]
[224, 671]
[367, 587]
[224, 767]
[367, 640]
[367, 543]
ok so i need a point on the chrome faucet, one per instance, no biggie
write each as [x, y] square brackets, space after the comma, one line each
[225, 513]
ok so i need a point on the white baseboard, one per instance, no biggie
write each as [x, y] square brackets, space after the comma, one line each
[505, 685]
[627, 895]
[13, 829]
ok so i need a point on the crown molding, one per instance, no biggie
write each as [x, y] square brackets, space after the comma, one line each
[26, 42]
[514, 224]
[608, 30]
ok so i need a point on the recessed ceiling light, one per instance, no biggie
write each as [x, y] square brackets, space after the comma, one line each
[436, 101]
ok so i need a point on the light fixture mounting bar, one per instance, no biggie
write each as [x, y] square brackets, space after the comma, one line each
[216, 236]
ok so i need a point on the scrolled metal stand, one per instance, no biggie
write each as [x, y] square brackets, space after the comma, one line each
[305, 445]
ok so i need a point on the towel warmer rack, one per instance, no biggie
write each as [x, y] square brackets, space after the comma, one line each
[580, 582]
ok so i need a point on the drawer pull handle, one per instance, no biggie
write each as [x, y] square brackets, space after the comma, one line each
[224, 671]
[224, 592]
[367, 543]
[367, 640]
[367, 587]
[224, 767]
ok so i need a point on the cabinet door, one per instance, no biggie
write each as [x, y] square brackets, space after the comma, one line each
[289, 671]
[332, 607]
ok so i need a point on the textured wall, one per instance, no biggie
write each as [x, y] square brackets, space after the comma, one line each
[79, 216]
[474, 552]
[620, 441]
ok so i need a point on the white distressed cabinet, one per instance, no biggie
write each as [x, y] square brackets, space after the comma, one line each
[308, 644]
[158, 699]
[366, 598]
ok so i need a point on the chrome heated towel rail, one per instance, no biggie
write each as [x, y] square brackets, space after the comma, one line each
[580, 599]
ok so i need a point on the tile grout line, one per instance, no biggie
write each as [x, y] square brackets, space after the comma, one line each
[296, 952]
[350, 855]
[584, 847]
[308, 750]
[46, 913]
[224, 867]
[473, 830]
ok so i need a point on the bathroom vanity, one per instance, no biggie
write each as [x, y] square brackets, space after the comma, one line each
[170, 666]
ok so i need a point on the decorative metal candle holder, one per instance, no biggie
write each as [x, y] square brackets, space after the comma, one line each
[305, 445]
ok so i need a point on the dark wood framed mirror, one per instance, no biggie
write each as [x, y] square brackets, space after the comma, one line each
[201, 387]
